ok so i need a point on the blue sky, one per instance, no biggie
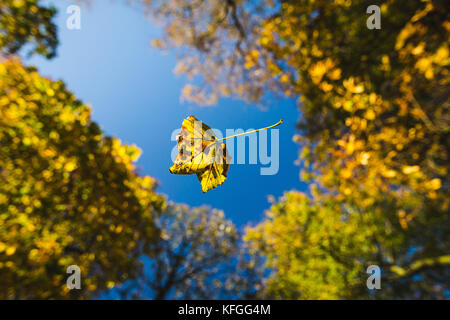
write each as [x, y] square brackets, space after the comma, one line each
[134, 94]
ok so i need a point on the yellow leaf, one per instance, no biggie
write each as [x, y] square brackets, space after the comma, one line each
[201, 154]
[370, 114]
[10, 251]
[335, 74]
[254, 54]
[284, 78]
[423, 64]
[365, 158]
[435, 184]
[70, 166]
[358, 89]
[325, 86]
[389, 173]
[346, 173]
[249, 64]
[441, 54]
[410, 169]
[419, 49]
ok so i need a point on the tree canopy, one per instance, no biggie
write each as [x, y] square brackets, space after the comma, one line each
[69, 195]
[199, 256]
[373, 136]
[373, 131]
[27, 22]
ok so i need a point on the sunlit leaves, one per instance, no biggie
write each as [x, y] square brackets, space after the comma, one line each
[68, 193]
[27, 22]
[317, 252]
[378, 125]
[374, 125]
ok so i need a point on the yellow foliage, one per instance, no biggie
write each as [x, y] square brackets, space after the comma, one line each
[62, 182]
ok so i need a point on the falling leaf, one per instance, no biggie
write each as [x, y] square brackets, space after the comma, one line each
[201, 153]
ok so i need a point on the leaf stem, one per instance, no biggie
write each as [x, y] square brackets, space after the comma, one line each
[253, 131]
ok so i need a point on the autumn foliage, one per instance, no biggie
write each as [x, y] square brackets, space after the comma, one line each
[373, 136]
[373, 133]
[27, 22]
[69, 195]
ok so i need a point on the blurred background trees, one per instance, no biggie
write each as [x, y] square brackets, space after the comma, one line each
[373, 134]
[69, 195]
[27, 22]
[199, 256]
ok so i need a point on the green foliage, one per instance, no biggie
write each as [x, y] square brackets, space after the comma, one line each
[315, 252]
[320, 249]
[26, 22]
[69, 195]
